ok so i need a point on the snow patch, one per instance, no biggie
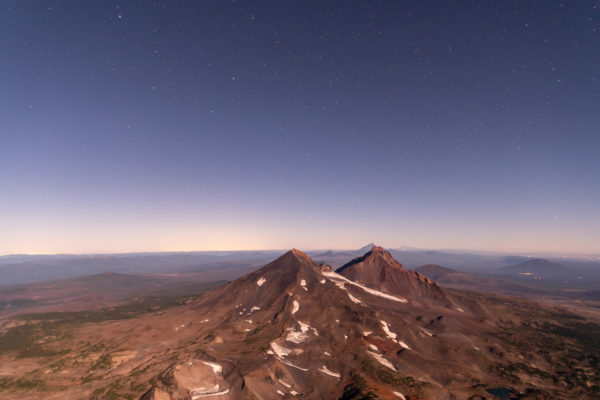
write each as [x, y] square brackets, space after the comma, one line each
[328, 372]
[460, 309]
[287, 385]
[295, 336]
[386, 329]
[305, 327]
[354, 299]
[339, 279]
[303, 284]
[208, 393]
[279, 392]
[179, 327]
[254, 308]
[373, 347]
[295, 307]
[341, 286]
[399, 395]
[322, 281]
[404, 345]
[382, 360]
[289, 364]
[279, 350]
[367, 333]
[217, 368]
[261, 281]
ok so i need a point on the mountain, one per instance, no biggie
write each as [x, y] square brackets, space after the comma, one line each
[337, 258]
[538, 267]
[296, 329]
[511, 260]
[377, 269]
[366, 248]
[464, 260]
[451, 278]
[435, 272]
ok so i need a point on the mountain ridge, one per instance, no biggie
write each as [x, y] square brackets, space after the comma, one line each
[378, 269]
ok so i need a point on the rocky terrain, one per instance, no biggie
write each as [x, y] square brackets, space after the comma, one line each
[297, 329]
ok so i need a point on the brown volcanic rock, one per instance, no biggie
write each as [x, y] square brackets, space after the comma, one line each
[267, 286]
[379, 270]
[296, 329]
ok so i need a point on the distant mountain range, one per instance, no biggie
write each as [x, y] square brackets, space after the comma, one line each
[537, 267]
[27, 269]
[448, 277]
[98, 291]
[21, 269]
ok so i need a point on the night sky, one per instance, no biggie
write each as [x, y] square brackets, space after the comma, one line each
[151, 126]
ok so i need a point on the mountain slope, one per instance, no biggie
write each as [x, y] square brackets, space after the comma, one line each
[317, 330]
[296, 329]
[377, 269]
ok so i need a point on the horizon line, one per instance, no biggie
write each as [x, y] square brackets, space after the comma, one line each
[532, 253]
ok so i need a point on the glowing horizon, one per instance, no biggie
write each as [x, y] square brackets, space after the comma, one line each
[169, 128]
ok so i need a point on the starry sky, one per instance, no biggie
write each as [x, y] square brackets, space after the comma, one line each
[215, 125]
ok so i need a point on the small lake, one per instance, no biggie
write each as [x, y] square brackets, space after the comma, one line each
[502, 393]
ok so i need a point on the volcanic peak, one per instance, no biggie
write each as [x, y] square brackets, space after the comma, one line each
[376, 253]
[378, 270]
[294, 258]
[299, 254]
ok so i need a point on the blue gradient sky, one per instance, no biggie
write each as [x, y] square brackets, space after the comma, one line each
[254, 125]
